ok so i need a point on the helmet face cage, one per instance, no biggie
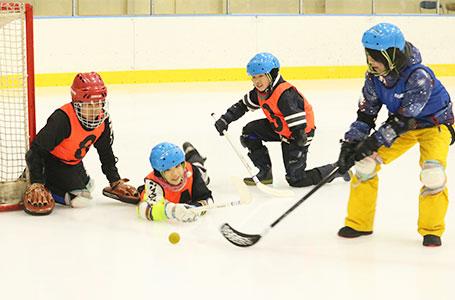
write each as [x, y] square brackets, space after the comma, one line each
[262, 63]
[88, 93]
[91, 114]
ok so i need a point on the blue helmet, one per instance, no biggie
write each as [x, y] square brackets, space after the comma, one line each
[165, 156]
[383, 36]
[262, 63]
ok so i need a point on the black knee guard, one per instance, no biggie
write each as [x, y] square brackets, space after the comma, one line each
[250, 141]
[306, 178]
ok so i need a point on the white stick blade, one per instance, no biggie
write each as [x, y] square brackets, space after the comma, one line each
[245, 195]
[275, 192]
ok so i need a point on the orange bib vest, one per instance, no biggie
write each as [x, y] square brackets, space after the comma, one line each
[170, 194]
[275, 116]
[73, 149]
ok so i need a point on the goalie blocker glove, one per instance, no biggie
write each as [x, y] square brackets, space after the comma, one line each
[121, 191]
[38, 200]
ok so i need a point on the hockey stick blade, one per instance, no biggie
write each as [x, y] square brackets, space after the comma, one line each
[245, 195]
[246, 240]
[238, 238]
[275, 192]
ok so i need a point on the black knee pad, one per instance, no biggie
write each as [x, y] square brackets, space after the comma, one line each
[250, 141]
[301, 181]
[305, 178]
[293, 181]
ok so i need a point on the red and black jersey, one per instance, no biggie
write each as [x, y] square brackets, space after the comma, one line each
[60, 128]
[284, 106]
[172, 193]
[73, 148]
[281, 123]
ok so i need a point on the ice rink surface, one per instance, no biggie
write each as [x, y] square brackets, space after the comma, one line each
[106, 252]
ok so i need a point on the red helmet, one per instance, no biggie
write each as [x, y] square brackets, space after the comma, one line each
[88, 87]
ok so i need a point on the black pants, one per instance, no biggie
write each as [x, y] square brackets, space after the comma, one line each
[61, 178]
[294, 156]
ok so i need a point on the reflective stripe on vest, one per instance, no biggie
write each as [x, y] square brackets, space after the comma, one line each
[275, 116]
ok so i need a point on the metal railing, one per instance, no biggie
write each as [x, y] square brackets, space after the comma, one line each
[238, 7]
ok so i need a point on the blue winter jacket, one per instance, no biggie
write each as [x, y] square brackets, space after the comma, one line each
[416, 93]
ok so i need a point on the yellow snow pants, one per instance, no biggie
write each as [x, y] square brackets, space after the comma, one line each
[434, 145]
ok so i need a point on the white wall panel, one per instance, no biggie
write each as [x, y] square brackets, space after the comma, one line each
[84, 44]
[200, 42]
[194, 42]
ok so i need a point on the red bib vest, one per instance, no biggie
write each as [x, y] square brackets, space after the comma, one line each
[275, 116]
[173, 195]
[73, 149]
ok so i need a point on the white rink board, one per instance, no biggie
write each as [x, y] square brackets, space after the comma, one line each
[204, 42]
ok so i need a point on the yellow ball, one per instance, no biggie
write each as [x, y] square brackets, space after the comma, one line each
[174, 238]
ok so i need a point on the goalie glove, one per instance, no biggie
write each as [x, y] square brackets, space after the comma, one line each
[38, 200]
[121, 191]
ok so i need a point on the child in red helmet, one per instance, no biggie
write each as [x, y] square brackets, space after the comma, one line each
[57, 173]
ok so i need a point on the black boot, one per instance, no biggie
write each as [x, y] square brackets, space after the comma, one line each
[347, 176]
[192, 155]
[431, 240]
[348, 232]
[327, 169]
[265, 177]
[261, 159]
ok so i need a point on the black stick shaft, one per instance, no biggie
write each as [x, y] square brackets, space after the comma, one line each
[323, 181]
